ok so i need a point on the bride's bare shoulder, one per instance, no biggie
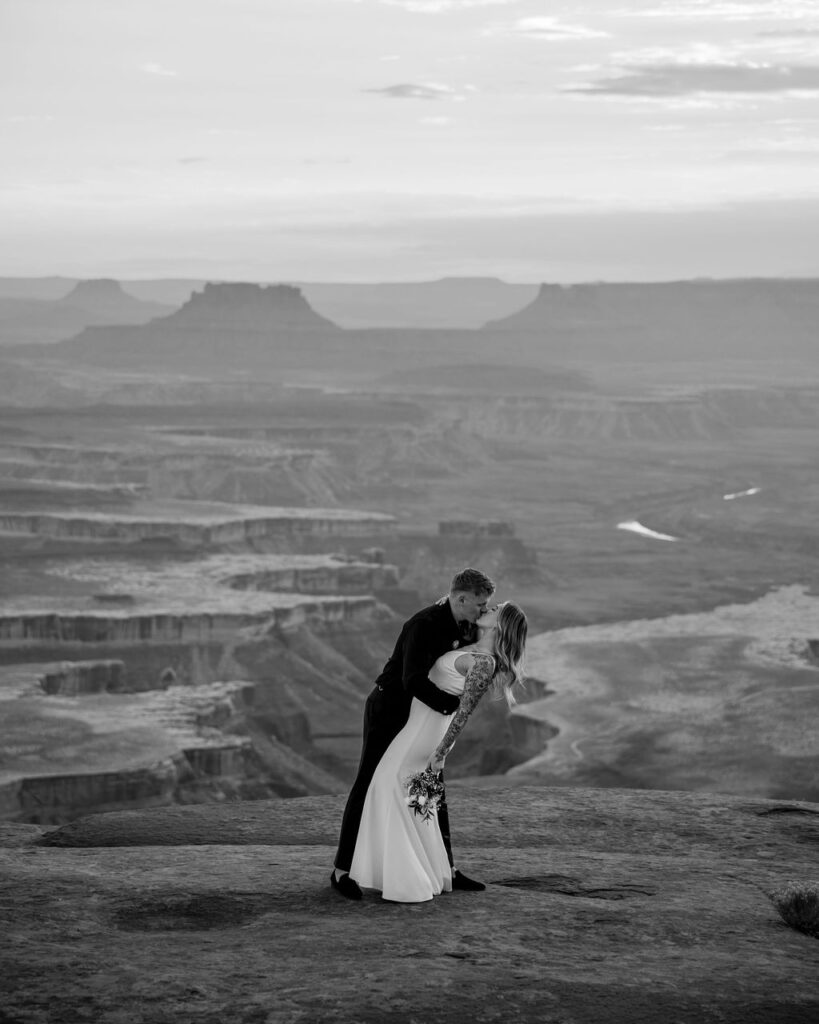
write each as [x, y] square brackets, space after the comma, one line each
[466, 659]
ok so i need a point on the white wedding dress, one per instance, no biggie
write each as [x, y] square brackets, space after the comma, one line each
[397, 851]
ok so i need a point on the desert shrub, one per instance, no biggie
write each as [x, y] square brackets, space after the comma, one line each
[798, 905]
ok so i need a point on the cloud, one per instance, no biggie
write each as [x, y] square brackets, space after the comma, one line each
[547, 28]
[157, 69]
[760, 50]
[436, 120]
[801, 47]
[27, 118]
[192, 160]
[442, 6]
[790, 33]
[781, 50]
[792, 150]
[726, 10]
[319, 161]
[416, 91]
[685, 79]
[694, 53]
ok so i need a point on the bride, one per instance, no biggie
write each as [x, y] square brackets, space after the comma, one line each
[397, 851]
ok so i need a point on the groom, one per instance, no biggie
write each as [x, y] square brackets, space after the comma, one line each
[444, 626]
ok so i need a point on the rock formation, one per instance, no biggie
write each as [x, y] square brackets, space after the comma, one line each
[252, 333]
[673, 321]
[106, 300]
[71, 678]
[243, 330]
[476, 528]
[252, 307]
[196, 530]
[448, 302]
[702, 413]
[125, 686]
[25, 321]
[226, 468]
[485, 379]
[353, 578]
[145, 626]
[110, 747]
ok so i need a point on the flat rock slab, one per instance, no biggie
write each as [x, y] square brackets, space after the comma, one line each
[601, 906]
[482, 813]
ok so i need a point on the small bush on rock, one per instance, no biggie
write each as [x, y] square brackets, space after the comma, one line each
[798, 904]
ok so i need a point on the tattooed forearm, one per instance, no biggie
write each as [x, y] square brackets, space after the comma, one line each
[476, 684]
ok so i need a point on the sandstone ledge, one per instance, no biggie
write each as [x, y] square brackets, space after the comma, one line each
[602, 905]
[202, 530]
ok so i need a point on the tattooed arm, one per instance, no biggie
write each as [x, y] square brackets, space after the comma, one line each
[476, 684]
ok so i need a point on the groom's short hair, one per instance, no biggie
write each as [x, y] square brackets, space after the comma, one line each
[472, 581]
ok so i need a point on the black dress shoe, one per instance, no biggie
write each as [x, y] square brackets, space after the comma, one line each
[460, 881]
[347, 887]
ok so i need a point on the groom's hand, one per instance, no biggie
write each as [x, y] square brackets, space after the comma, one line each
[450, 703]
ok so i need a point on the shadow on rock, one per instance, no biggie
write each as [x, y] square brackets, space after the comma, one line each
[566, 886]
[191, 911]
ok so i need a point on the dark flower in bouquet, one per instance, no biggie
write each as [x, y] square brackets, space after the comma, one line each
[424, 792]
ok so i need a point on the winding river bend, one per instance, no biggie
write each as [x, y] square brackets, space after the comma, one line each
[635, 526]
[741, 494]
[644, 531]
[718, 701]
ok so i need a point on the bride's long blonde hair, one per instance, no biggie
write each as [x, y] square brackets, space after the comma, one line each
[510, 643]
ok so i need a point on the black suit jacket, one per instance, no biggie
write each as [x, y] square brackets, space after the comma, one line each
[422, 640]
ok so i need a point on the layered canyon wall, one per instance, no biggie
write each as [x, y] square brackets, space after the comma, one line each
[238, 530]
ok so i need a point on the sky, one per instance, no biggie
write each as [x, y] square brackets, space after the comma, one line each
[364, 140]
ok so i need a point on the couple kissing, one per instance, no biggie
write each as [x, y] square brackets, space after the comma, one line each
[446, 657]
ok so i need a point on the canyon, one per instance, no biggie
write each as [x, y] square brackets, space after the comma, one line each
[212, 526]
[184, 659]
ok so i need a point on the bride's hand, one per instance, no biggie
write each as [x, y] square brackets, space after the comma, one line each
[437, 764]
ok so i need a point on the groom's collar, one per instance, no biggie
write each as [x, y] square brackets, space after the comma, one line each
[464, 629]
[446, 613]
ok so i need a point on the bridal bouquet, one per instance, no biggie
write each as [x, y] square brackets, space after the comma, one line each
[424, 792]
